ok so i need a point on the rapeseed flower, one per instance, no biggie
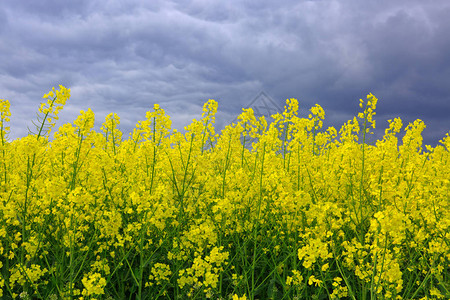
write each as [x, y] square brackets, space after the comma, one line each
[264, 209]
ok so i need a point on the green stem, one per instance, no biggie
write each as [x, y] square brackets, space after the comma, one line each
[256, 227]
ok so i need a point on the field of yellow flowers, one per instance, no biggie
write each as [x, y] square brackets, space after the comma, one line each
[286, 210]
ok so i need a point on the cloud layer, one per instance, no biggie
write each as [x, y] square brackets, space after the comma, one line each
[124, 56]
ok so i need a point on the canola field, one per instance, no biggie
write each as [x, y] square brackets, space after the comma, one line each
[264, 210]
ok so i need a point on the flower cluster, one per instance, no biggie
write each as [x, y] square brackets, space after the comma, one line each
[281, 209]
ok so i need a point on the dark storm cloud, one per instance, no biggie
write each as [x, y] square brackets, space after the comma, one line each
[124, 56]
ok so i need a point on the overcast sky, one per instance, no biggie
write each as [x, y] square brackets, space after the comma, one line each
[124, 56]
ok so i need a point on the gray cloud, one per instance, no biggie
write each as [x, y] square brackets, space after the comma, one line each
[125, 56]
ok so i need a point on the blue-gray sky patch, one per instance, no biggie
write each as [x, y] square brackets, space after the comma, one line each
[124, 56]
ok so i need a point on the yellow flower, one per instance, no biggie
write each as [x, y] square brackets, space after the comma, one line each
[313, 280]
[93, 284]
[236, 297]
